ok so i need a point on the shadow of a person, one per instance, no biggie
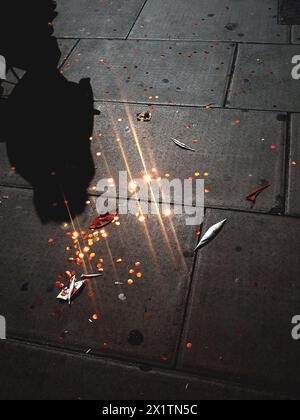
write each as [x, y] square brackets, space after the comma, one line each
[25, 34]
[49, 122]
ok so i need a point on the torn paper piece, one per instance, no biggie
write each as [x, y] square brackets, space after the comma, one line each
[252, 197]
[211, 234]
[2, 68]
[101, 221]
[68, 293]
[182, 145]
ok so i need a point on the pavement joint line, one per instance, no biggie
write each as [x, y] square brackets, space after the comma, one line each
[127, 363]
[231, 74]
[203, 107]
[291, 34]
[278, 13]
[137, 18]
[202, 41]
[112, 101]
[286, 175]
[180, 342]
[69, 54]
[209, 207]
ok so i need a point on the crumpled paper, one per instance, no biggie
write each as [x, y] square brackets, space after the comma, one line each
[253, 195]
[68, 292]
[101, 221]
[211, 234]
[144, 116]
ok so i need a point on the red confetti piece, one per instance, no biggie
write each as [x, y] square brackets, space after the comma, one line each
[101, 221]
[105, 346]
[252, 197]
[189, 346]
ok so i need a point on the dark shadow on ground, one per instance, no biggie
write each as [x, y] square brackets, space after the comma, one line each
[46, 121]
[48, 124]
[25, 33]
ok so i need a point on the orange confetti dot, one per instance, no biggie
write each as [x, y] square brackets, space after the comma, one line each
[131, 271]
[95, 317]
[130, 282]
[139, 275]
[294, 163]
[138, 264]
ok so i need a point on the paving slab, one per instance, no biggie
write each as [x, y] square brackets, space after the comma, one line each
[96, 19]
[213, 20]
[293, 200]
[85, 377]
[153, 72]
[263, 78]
[296, 34]
[245, 293]
[236, 151]
[141, 320]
